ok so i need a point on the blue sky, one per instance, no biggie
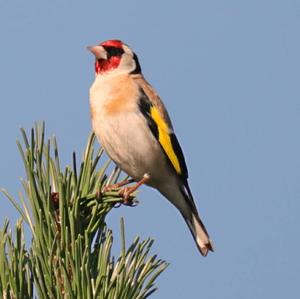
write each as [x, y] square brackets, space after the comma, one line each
[229, 72]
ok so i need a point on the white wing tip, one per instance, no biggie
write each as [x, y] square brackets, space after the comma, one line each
[205, 248]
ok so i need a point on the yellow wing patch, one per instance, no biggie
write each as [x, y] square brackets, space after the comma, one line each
[164, 138]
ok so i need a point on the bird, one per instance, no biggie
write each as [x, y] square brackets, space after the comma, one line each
[133, 126]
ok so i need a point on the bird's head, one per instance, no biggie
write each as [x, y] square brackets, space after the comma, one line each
[115, 56]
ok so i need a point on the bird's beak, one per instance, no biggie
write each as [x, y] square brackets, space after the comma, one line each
[98, 51]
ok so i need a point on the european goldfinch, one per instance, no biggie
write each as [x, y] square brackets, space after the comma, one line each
[133, 126]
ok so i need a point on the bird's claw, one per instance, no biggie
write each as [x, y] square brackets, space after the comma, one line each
[127, 197]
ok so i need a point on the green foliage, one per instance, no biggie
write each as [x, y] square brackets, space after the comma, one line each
[70, 254]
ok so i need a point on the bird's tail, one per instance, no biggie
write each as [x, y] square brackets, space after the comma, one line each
[199, 233]
[182, 199]
[196, 226]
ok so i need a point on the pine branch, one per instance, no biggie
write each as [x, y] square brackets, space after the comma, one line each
[70, 252]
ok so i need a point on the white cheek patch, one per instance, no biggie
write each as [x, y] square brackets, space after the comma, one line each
[127, 50]
[127, 63]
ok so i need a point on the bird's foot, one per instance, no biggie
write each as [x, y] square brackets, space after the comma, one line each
[117, 185]
[126, 192]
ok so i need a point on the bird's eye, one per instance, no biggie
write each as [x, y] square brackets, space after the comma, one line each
[113, 51]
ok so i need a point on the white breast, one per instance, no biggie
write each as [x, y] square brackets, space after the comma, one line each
[124, 134]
